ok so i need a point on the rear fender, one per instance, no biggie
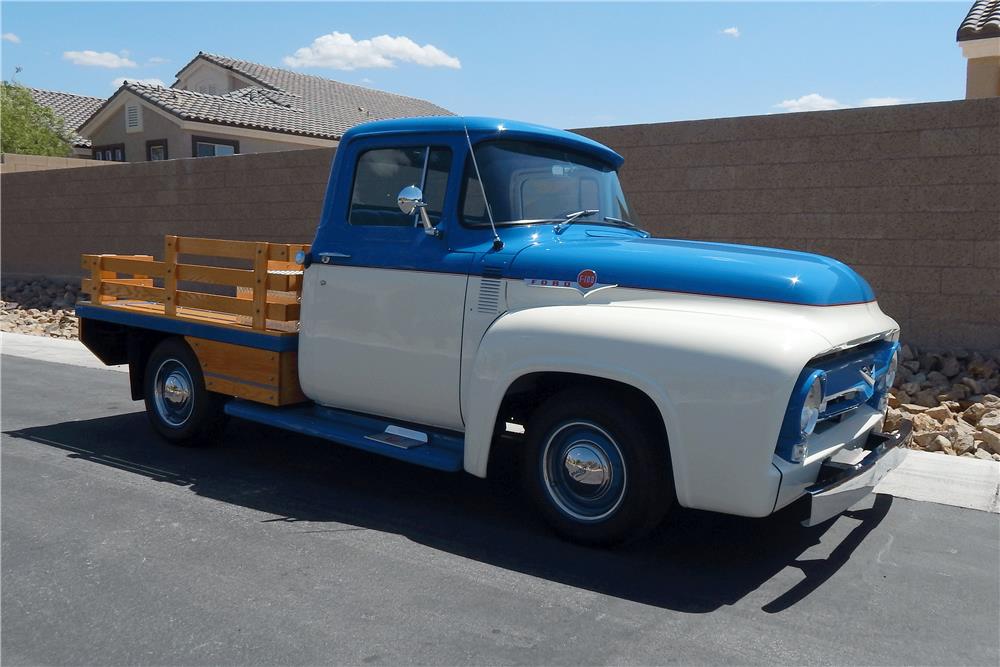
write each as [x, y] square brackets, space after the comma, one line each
[117, 344]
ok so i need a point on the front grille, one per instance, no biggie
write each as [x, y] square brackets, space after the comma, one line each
[846, 389]
[846, 385]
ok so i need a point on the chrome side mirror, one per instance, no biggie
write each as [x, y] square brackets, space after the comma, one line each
[411, 198]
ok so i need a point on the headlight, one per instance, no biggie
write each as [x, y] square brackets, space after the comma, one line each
[811, 407]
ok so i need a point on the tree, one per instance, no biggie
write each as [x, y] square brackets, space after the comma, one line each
[27, 127]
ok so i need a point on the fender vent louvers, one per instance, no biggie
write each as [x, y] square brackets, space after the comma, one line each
[489, 291]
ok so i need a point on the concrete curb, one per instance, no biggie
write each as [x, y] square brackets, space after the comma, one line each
[946, 480]
[936, 478]
[52, 350]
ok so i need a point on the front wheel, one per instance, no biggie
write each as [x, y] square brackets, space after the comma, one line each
[178, 405]
[596, 470]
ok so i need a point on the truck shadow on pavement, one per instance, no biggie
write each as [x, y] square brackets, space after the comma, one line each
[694, 562]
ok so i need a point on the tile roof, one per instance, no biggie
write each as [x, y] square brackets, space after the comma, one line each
[284, 101]
[983, 21]
[73, 109]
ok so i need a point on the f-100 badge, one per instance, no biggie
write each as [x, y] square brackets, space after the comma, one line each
[585, 283]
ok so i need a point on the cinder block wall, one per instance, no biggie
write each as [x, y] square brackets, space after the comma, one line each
[51, 217]
[907, 195]
[11, 162]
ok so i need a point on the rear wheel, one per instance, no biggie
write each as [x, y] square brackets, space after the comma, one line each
[598, 471]
[178, 405]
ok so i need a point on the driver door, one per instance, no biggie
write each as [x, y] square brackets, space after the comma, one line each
[381, 329]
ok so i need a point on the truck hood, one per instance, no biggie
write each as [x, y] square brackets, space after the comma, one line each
[693, 267]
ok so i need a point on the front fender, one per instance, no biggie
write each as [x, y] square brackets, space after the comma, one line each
[721, 384]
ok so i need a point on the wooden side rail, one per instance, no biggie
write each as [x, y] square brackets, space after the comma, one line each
[272, 296]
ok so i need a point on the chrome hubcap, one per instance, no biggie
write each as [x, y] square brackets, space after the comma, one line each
[587, 467]
[176, 389]
[172, 389]
[584, 471]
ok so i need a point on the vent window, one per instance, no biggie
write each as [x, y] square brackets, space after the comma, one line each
[133, 118]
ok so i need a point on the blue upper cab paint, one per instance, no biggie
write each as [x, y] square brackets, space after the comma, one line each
[619, 255]
[481, 128]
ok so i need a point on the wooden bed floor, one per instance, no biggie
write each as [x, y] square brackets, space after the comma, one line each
[194, 314]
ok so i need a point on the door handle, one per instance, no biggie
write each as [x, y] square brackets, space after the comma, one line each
[327, 257]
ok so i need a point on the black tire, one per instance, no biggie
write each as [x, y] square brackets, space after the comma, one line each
[178, 405]
[597, 471]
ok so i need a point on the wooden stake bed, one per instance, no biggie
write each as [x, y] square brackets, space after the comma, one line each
[266, 301]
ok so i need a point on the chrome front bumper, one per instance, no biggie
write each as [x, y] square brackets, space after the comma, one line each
[839, 486]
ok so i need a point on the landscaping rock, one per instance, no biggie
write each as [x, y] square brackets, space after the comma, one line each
[39, 307]
[990, 420]
[989, 440]
[951, 398]
[939, 412]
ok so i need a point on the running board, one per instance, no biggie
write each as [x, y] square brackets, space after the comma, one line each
[420, 445]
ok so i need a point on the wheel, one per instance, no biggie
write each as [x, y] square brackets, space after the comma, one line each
[178, 405]
[597, 471]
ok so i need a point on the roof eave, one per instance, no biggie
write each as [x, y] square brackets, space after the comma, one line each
[100, 109]
[971, 36]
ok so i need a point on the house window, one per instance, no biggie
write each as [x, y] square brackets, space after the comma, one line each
[133, 118]
[112, 153]
[156, 149]
[208, 147]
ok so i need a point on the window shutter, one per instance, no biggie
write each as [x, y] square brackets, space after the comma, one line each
[133, 118]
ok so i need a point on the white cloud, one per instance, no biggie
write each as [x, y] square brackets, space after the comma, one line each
[157, 60]
[11, 37]
[98, 59]
[339, 50]
[810, 102]
[733, 32]
[882, 101]
[117, 83]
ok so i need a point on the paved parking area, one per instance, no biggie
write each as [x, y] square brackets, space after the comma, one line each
[277, 549]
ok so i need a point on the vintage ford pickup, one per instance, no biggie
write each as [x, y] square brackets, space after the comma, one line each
[476, 284]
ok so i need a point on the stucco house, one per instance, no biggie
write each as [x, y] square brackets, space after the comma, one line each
[979, 37]
[222, 106]
[74, 110]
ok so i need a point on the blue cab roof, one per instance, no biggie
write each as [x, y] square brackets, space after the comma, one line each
[483, 128]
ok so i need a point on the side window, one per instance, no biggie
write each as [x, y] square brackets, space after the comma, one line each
[381, 173]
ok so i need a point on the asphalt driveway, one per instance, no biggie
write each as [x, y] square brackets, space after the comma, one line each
[272, 548]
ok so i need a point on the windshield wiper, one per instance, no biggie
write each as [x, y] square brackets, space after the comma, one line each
[573, 217]
[619, 221]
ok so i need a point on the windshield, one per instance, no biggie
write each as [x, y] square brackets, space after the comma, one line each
[530, 182]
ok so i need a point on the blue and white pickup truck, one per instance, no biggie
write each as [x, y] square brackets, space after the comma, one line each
[477, 283]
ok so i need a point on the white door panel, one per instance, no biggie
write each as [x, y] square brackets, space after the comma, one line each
[383, 341]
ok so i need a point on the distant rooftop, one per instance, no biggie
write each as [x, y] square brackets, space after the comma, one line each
[284, 101]
[73, 109]
[982, 21]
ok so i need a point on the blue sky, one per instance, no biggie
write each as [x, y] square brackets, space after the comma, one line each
[566, 65]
